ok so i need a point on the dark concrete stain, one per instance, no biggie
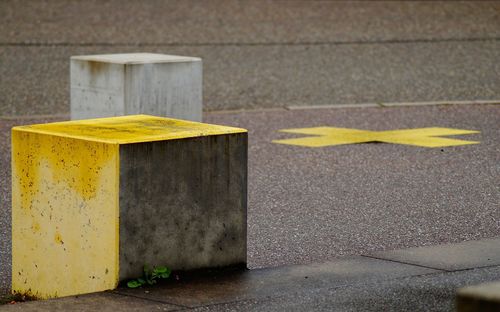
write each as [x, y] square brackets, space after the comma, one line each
[183, 203]
[96, 67]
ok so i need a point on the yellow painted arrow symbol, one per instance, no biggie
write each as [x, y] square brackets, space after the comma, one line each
[329, 136]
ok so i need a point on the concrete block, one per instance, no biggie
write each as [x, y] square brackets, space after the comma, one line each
[93, 201]
[136, 83]
[479, 298]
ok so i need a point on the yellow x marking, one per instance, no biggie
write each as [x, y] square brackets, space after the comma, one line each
[329, 136]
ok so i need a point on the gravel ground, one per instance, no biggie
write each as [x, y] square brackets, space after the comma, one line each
[309, 205]
[261, 54]
[277, 76]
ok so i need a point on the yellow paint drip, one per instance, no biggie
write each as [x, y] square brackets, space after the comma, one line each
[58, 238]
[130, 129]
[330, 136]
[62, 157]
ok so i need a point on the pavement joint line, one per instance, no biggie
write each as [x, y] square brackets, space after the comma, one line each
[394, 104]
[227, 302]
[256, 110]
[402, 262]
[29, 43]
[474, 268]
[118, 293]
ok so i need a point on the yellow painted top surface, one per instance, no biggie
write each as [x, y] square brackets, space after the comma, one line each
[129, 129]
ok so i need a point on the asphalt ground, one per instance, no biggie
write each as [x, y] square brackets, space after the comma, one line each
[314, 204]
[261, 54]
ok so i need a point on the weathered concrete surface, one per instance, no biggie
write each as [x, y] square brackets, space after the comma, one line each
[136, 83]
[479, 298]
[183, 203]
[67, 201]
[64, 210]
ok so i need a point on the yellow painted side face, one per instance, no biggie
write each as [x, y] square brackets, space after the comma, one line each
[130, 129]
[64, 214]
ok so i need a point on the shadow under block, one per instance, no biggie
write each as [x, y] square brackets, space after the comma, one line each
[479, 298]
[136, 83]
[93, 201]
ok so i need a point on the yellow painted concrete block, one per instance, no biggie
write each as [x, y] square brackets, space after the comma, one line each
[66, 199]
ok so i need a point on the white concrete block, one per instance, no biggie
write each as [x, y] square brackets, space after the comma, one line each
[136, 83]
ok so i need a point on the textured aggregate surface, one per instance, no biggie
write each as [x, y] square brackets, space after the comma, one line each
[311, 205]
[264, 53]
[225, 21]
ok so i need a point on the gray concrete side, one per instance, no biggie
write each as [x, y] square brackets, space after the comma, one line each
[97, 89]
[136, 83]
[183, 203]
[479, 298]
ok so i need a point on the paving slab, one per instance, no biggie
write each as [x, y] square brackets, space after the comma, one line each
[105, 302]
[435, 292]
[262, 283]
[452, 257]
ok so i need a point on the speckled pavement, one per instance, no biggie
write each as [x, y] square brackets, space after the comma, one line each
[312, 205]
[261, 54]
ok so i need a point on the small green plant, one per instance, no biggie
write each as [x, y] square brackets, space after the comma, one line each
[150, 277]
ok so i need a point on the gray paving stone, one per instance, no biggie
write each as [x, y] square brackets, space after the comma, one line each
[429, 293]
[262, 283]
[466, 255]
[104, 302]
